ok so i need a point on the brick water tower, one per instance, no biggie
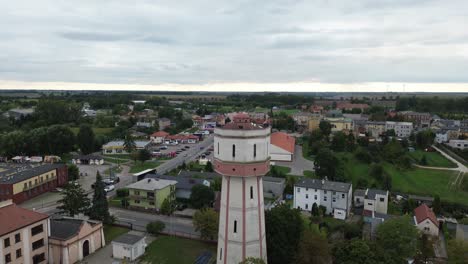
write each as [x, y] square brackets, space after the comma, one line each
[241, 157]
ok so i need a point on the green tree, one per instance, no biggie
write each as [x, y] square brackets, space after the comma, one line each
[216, 184]
[376, 171]
[167, 207]
[457, 252]
[60, 139]
[144, 155]
[425, 138]
[284, 228]
[74, 200]
[313, 248]
[393, 150]
[387, 182]
[129, 143]
[350, 142]
[339, 141]
[356, 251]
[100, 207]
[86, 139]
[206, 222]
[201, 196]
[155, 227]
[363, 155]
[325, 128]
[315, 210]
[425, 250]
[397, 238]
[326, 164]
[437, 205]
[423, 160]
[252, 260]
[73, 173]
[209, 167]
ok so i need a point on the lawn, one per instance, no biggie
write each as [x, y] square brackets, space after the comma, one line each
[283, 169]
[305, 150]
[434, 159]
[310, 174]
[414, 181]
[112, 232]
[97, 130]
[143, 166]
[167, 249]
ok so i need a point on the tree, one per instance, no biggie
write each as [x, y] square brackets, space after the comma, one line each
[155, 227]
[86, 139]
[315, 210]
[423, 160]
[356, 251]
[376, 172]
[206, 222]
[425, 250]
[252, 260]
[393, 150]
[313, 248]
[73, 172]
[144, 155]
[216, 184]
[363, 155]
[74, 200]
[284, 228]
[339, 141]
[457, 251]
[397, 238]
[387, 182]
[129, 143]
[60, 139]
[100, 208]
[201, 196]
[209, 167]
[436, 205]
[408, 206]
[167, 207]
[326, 164]
[350, 142]
[325, 128]
[425, 138]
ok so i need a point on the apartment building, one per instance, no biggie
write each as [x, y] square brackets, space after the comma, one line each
[335, 196]
[23, 235]
[402, 129]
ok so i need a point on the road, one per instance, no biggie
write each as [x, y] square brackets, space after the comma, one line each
[461, 167]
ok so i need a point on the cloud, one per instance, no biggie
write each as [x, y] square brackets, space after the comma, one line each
[199, 42]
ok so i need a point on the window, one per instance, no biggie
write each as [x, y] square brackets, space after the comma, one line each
[233, 151]
[35, 181]
[25, 186]
[382, 199]
[307, 196]
[255, 150]
[315, 197]
[251, 192]
[298, 190]
[334, 200]
[307, 206]
[18, 238]
[8, 258]
[220, 253]
[136, 192]
[325, 198]
[235, 226]
[369, 203]
[325, 192]
[343, 195]
[150, 194]
[218, 148]
[37, 229]
[151, 203]
[18, 253]
[38, 244]
[137, 201]
[6, 242]
[38, 258]
[334, 193]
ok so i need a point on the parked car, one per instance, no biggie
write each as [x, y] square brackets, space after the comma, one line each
[110, 181]
[207, 153]
[187, 147]
[163, 147]
[109, 188]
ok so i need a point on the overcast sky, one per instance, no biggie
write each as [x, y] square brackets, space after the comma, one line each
[271, 45]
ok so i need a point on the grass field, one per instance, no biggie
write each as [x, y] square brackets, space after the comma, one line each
[434, 159]
[97, 130]
[167, 249]
[283, 169]
[112, 232]
[310, 174]
[414, 181]
[141, 167]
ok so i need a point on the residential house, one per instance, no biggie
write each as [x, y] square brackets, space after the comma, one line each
[128, 247]
[118, 146]
[446, 134]
[302, 118]
[425, 220]
[402, 129]
[149, 194]
[385, 104]
[419, 119]
[21, 182]
[458, 143]
[159, 137]
[359, 196]
[282, 147]
[464, 127]
[316, 109]
[349, 106]
[273, 187]
[19, 113]
[375, 128]
[335, 196]
[72, 239]
[164, 122]
[184, 185]
[376, 201]
[23, 235]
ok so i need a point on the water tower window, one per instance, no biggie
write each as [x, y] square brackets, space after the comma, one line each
[235, 226]
[251, 192]
[255, 150]
[233, 151]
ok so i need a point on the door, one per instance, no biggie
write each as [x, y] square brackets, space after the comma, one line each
[86, 248]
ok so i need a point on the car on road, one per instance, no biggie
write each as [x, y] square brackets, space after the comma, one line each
[163, 147]
[110, 181]
[109, 188]
[207, 153]
[57, 190]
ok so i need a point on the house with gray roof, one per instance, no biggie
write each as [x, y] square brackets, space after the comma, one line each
[128, 246]
[376, 201]
[335, 196]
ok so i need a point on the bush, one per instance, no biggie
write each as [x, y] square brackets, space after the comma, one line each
[155, 227]
[363, 155]
[122, 192]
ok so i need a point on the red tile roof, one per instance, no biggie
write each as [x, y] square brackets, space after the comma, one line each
[423, 212]
[13, 217]
[284, 141]
[160, 134]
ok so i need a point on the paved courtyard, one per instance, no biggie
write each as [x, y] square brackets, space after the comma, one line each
[299, 163]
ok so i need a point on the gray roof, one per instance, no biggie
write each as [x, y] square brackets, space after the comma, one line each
[151, 184]
[185, 183]
[371, 193]
[273, 179]
[324, 185]
[360, 192]
[128, 239]
[120, 143]
[17, 173]
[63, 228]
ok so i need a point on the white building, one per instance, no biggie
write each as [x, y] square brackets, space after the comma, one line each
[402, 129]
[376, 201]
[241, 156]
[282, 147]
[426, 221]
[458, 143]
[335, 196]
[128, 247]
[118, 146]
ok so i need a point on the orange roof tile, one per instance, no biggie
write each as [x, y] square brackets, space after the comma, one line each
[423, 212]
[13, 217]
[284, 141]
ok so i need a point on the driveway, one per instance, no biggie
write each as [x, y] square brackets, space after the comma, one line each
[299, 163]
